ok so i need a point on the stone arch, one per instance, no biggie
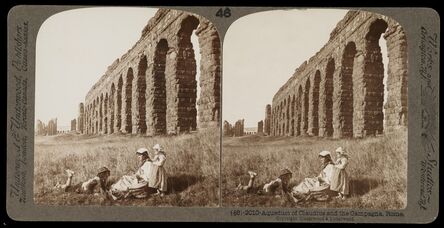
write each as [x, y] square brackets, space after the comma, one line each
[288, 114]
[186, 70]
[139, 119]
[299, 111]
[101, 113]
[127, 115]
[314, 104]
[118, 106]
[105, 114]
[305, 106]
[157, 113]
[292, 107]
[373, 79]
[326, 101]
[344, 99]
[111, 108]
[96, 115]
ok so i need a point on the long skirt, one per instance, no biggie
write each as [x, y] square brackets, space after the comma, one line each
[310, 187]
[340, 181]
[128, 185]
[158, 178]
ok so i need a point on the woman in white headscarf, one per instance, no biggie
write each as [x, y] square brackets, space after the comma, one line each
[135, 185]
[340, 179]
[158, 177]
[316, 187]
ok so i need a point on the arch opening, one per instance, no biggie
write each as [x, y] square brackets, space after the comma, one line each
[128, 101]
[159, 85]
[375, 79]
[346, 90]
[141, 96]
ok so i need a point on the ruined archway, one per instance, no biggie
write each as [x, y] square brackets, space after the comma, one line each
[158, 95]
[127, 116]
[186, 65]
[105, 114]
[327, 100]
[314, 105]
[299, 111]
[374, 79]
[293, 100]
[344, 121]
[111, 109]
[118, 110]
[96, 119]
[101, 113]
[139, 119]
[306, 107]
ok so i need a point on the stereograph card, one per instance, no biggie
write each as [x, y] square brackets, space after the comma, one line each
[223, 114]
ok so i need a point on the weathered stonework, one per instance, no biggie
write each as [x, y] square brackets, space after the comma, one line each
[260, 127]
[339, 92]
[227, 129]
[80, 119]
[48, 129]
[152, 89]
[267, 120]
[238, 129]
[73, 125]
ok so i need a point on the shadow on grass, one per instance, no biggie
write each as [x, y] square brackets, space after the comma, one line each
[359, 187]
[181, 182]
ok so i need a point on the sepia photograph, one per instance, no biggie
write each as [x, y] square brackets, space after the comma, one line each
[127, 108]
[315, 110]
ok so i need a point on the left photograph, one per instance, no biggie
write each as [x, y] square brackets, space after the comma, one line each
[127, 108]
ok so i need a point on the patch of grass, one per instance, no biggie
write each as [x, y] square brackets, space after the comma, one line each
[377, 168]
[192, 166]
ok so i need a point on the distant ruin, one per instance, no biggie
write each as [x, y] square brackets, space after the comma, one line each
[152, 89]
[73, 125]
[236, 131]
[260, 127]
[48, 129]
[339, 92]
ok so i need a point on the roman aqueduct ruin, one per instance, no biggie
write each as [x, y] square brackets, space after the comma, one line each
[152, 89]
[339, 92]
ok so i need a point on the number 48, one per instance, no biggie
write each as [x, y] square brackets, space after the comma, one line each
[223, 13]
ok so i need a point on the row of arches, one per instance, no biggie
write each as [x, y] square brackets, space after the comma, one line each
[346, 96]
[158, 94]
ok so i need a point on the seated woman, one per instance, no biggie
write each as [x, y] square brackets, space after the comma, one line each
[94, 185]
[269, 188]
[317, 187]
[135, 185]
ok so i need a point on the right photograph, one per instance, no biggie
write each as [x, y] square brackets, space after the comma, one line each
[314, 110]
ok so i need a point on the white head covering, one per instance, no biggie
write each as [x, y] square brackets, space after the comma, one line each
[142, 150]
[158, 147]
[340, 150]
[324, 153]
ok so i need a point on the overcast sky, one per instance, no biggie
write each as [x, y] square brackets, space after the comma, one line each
[74, 49]
[262, 51]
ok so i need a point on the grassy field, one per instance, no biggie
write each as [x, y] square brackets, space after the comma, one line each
[192, 166]
[377, 168]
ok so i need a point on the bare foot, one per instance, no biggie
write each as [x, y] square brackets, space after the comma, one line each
[252, 174]
[69, 172]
